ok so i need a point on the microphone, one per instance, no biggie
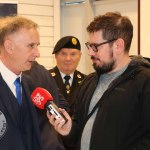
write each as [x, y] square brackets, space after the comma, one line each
[42, 99]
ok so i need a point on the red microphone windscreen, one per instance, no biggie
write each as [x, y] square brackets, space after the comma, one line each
[40, 96]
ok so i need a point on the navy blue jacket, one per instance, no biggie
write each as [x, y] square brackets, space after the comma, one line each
[19, 128]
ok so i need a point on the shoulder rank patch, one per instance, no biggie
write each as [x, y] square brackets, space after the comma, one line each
[53, 74]
[79, 76]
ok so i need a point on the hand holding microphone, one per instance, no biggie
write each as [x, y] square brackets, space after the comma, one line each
[41, 98]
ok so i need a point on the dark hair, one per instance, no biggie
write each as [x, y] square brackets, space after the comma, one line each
[113, 26]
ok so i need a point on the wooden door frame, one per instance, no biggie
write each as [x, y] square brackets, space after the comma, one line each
[139, 28]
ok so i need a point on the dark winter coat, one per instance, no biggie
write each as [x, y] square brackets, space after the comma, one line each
[123, 118]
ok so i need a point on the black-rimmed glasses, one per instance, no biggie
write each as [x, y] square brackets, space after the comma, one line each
[94, 46]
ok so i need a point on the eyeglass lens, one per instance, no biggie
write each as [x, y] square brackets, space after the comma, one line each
[94, 47]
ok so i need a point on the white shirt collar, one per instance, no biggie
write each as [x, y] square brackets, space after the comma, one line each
[63, 75]
[8, 76]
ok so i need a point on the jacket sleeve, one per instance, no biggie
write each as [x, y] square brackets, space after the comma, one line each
[144, 140]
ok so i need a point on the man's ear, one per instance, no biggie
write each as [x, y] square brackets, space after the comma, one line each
[119, 46]
[8, 45]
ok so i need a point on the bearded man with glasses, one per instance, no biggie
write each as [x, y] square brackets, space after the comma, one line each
[113, 106]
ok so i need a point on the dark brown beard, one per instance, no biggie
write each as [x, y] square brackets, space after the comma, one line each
[103, 69]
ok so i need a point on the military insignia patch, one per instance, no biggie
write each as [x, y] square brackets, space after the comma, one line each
[78, 75]
[53, 74]
[74, 41]
[3, 125]
[68, 91]
[67, 87]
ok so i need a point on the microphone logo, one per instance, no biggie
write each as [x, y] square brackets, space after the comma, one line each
[43, 99]
[38, 98]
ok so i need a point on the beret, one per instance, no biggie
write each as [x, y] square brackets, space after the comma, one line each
[67, 42]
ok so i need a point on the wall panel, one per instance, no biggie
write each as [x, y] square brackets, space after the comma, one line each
[46, 51]
[47, 31]
[47, 41]
[42, 20]
[37, 2]
[33, 9]
[145, 28]
[48, 62]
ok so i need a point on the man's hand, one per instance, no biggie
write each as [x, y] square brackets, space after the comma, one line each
[60, 125]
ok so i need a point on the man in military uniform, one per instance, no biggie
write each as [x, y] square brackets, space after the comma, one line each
[67, 54]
